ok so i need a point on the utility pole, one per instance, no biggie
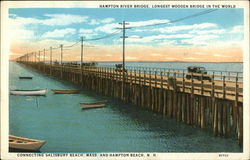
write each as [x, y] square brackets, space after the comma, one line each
[82, 50]
[61, 59]
[31, 57]
[26, 57]
[50, 55]
[39, 57]
[35, 57]
[33, 53]
[123, 53]
[123, 42]
[81, 56]
[50, 59]
[44, 56]
[39, 60]
[61, 46]
[44, 60]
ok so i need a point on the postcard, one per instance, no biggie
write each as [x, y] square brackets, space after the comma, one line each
[125, 80]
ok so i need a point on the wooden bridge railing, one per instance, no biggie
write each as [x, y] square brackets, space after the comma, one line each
[221, 86]
[230, 75]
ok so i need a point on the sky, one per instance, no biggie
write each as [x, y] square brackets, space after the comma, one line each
[213, 37]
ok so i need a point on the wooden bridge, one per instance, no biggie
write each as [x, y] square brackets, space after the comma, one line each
[216, 104]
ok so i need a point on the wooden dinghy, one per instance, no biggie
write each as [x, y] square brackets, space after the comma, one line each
[26, 144]
[24, 77]
[37, 92]
[65, 91]
[93, 105]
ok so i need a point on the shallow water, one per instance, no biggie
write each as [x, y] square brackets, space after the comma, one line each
[119, 127]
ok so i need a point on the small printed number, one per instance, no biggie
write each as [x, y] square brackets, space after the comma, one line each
[223, 155]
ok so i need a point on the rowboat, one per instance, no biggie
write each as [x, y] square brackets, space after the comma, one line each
[26, 144]
[65, 91]
[37, 92]
[25, 77]
[93, 105]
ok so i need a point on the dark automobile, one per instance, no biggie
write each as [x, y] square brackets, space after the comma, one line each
[197, 70]
[119, 68]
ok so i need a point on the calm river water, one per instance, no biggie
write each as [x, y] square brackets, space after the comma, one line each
[119, 127]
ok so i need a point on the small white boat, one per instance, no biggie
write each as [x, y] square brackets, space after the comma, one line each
[93, 105]
[40, 92]
[27, 144]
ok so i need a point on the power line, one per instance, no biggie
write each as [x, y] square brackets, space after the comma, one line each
[55, 48]
[119, 31]
[104, 37]
[194, 15]
[180, 19]
[72, 45]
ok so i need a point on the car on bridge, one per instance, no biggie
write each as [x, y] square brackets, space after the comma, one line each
[198, 73]
[119, 68]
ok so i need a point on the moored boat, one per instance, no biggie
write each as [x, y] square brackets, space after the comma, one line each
[37, 92]
[56, 91]
[25, 77]
[93, 105]
[27, 144]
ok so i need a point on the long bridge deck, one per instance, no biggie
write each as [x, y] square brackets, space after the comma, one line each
[220, 86]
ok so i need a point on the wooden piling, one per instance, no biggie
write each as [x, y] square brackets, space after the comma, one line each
[186, 101]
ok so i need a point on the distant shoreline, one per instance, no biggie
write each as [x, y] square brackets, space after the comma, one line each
[163, 62]
[146, 61]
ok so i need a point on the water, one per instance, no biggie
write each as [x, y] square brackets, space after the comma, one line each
[119, 127]
[225, 67]
[217, 67]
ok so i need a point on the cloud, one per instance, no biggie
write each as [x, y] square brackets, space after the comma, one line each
[82, 30]
[200, 40]
[51, 20]
[20, 21]
[214, 31]
[170, 58]
[156, 54]
[21, 34]
[94, 22]
[107, 20]
[62, 19]
[158, 38]
[199, 53]
[17, 30]
[237, 29]
[148, 22]
[131, 58]
[87, 33]
[189, 58]
[103, 21]
[174, 29]
[108, 28]
[231, 43]
[109, 55]
[12, 15]
[219, 55]
[168, 43]
[58, 33]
